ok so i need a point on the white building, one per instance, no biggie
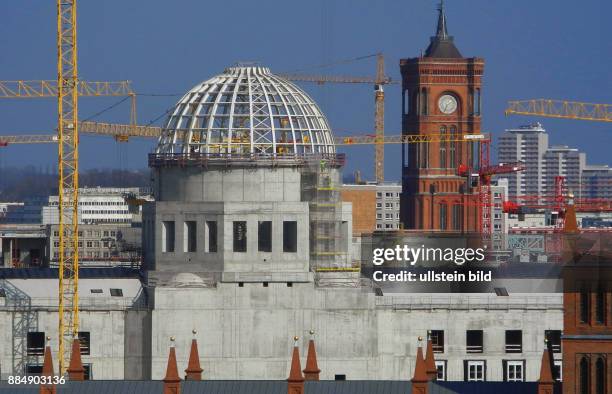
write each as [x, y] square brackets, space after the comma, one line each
[529, 144]
[99, 205]
[526, 144]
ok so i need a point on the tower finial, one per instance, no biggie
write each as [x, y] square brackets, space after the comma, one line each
[441, 31]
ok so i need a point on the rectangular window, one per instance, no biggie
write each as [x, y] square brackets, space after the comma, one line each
[554, 340]
[264, 236]
[437, 340]
[35, 343]
[167, 236]
[211, 230]
[600, 307]
[441, 368]
[290, 237]
[190, 235]
[584, 306]
[240, 236]
[474, 341]
[116, 292]
[514, 341]
[33, 369]
[514, 371]
[557, 370]
[474, 371]
[84, 338]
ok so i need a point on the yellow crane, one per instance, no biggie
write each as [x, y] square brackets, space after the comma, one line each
[561, 109]
[68, 163]
[67, 88]
[379, 103]
[122, 133]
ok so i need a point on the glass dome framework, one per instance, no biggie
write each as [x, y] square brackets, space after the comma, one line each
[246, 111]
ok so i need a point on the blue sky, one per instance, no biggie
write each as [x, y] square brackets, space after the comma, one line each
[533, 49]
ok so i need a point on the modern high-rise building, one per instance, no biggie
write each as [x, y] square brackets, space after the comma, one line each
[543, 163]
[526, 144]
[441, 95]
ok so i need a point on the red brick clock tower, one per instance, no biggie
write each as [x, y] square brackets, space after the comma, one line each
[441, 95]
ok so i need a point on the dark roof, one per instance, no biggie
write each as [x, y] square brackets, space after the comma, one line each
[234, 387]
[441, 45]
[52, 273]
[112, 387]
[358, 387]
[483, 387]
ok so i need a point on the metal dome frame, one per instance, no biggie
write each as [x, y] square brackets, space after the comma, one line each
[246, 111]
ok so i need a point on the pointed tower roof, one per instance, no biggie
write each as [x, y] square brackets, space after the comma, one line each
[441, 45]
[546, 368]
[75, 369]
[47, 370]
[172, 381]
[420, 368]
[311, 372]
[194, 371]
[430, 361]
[295, 374]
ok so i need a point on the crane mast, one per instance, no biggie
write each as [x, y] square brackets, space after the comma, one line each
[68, 168]
[379, 118]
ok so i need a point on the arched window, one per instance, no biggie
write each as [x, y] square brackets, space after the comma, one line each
[424, 102]
[453, 148]
[477, 102]
[406, 100]
[585, 303]
[443, 215]
[600, 307]
[600, 376]
[456, 217]
[584, 375]
[443, 147]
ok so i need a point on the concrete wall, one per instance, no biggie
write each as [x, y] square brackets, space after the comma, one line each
[237, 184]
[245, 332]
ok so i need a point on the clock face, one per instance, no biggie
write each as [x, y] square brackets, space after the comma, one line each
[447, 104]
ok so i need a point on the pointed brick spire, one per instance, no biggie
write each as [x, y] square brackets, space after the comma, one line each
[546, 382]
[47, 371]
[420, 379]
[311, 372]
[75, 369]
[194, 371]
[295, 383]
[172, 381]
[430, 361]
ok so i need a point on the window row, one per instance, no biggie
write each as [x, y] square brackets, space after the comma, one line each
[476, 370]
[239, 236]
[474, 341]
[91, 233]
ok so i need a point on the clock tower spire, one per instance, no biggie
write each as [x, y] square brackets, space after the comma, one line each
[441, 95]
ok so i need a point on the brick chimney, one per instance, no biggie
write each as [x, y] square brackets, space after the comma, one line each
[432, 371]
[546, 382]
[311, 372]
[194, 371]
[295, 383]
[75, 369]
[47, 371]
[172, 381]
[420, 380]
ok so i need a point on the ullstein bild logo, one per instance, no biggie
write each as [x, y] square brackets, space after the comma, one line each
[412, 256]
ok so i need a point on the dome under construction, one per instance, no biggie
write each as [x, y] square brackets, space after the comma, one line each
[246, 111]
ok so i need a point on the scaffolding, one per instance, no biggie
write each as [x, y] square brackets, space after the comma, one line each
[321, 188]
[24, 320]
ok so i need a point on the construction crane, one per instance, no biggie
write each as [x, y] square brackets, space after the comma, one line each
[561, 109]
[48, 88]
[482, 179]
[68, 163]
[122, 133]
[379, 103]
